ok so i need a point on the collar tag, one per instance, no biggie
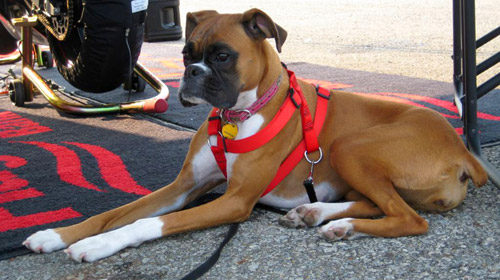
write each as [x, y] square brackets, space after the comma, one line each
[229, 131]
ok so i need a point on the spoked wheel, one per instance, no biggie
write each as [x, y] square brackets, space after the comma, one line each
[60, 24]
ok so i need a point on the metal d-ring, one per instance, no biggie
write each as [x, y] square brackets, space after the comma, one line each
[316, 161]
[246, 111]
[208, 139]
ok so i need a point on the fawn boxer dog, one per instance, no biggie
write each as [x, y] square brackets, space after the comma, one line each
[381, 159]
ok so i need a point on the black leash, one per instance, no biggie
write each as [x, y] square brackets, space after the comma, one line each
[210, 262]
[233, 229]
[231, 232]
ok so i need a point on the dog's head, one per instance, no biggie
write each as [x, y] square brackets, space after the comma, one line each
[224, 55]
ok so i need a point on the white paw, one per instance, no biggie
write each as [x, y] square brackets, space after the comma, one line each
[106, 244]
[45, 241]
[340, 229]
[93, 248]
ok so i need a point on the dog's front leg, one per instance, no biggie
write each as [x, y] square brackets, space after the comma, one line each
[234, 206]
[199, 174]
[226, 209]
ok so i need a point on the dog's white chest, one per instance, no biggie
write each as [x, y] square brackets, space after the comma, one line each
[245, 129]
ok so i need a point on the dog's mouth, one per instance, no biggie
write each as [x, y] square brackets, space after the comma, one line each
[209, 92]
[185, 103]
[193, 101]
[190, 102]
[186, 96]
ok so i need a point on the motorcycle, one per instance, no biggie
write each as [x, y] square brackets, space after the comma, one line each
[95, 43]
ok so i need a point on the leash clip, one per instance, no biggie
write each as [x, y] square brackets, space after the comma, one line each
[313, 162]
[309, 181]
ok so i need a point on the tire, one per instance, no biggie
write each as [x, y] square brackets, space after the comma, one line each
[138, 83]
[95, 56]
[48, 60]
[16, 92]
[140, 86]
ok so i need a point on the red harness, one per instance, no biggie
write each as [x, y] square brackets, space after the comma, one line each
[310, 130]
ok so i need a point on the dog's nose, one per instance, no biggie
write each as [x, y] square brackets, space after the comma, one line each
[195, 70]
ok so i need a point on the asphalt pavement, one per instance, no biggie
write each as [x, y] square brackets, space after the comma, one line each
[409, 38]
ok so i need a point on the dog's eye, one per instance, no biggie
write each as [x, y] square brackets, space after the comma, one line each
[222, 57]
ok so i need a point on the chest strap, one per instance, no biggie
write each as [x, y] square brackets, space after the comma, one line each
[310, 130]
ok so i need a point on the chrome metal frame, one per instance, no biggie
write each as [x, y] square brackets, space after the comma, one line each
[31, 80]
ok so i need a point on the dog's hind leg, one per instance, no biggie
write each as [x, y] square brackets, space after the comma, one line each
[368, 163]
[314, 214]
[400, 220]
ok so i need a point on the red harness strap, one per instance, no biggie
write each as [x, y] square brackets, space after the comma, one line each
[214, 128]
[298, 153]
[310, 131]
[310, 137]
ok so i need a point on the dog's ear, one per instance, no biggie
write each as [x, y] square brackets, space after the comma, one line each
[192, 19]
[260, 26]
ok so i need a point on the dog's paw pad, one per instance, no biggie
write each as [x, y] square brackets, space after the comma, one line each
[312, 217]
[302, 216]
[45, 241]
[292, 220]
[339, 229]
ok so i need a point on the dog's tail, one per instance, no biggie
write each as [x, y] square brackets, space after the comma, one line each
[475, 170]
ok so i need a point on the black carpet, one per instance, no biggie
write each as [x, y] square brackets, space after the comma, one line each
[57, 170]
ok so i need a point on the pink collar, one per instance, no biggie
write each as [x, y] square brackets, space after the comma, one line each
[244, 114]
